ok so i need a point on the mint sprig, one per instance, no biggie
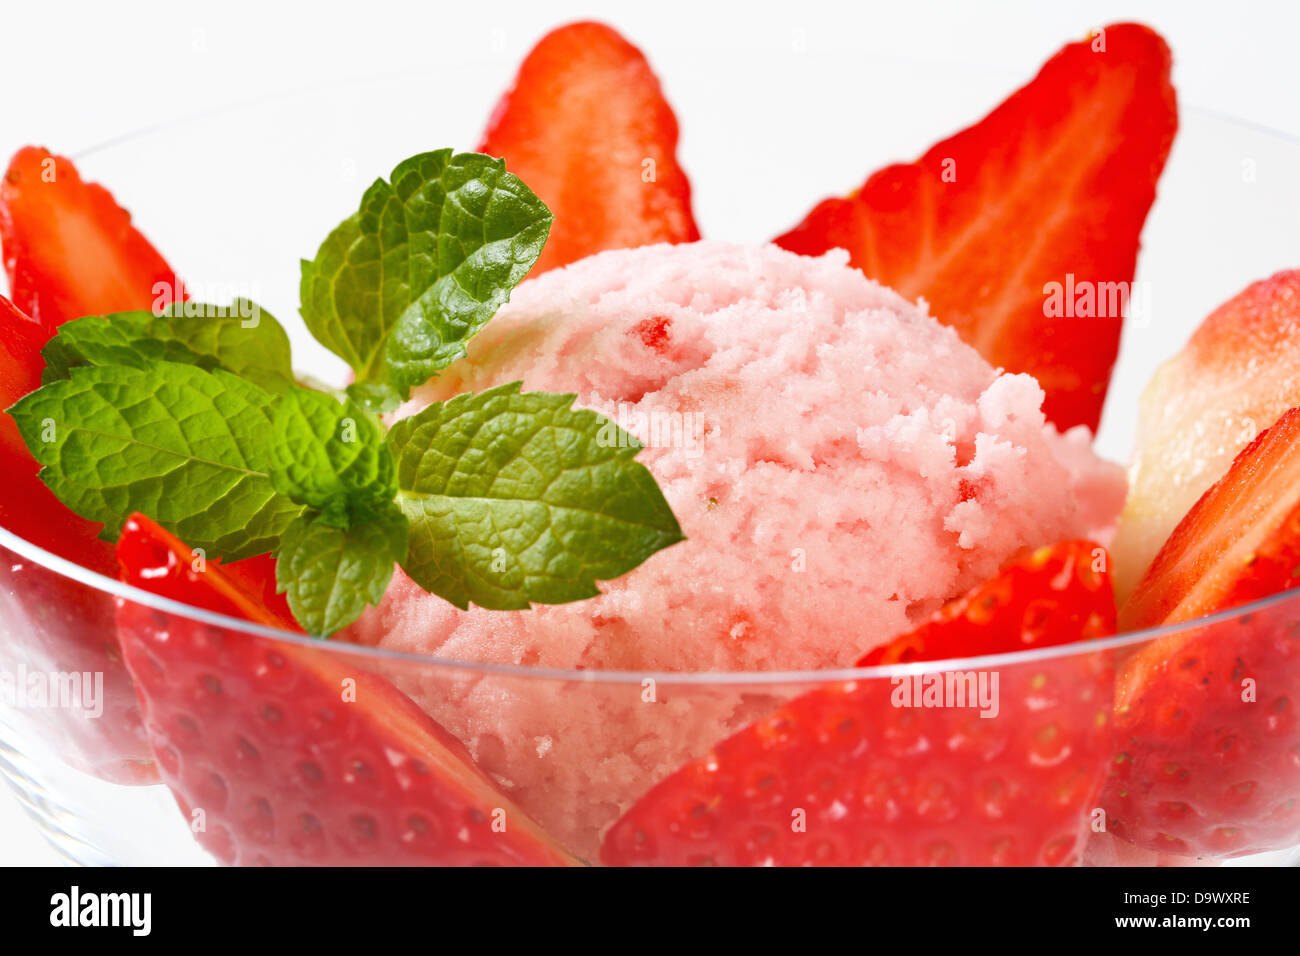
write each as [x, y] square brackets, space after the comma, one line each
[398, 289]
[502, 499]
[517, 498]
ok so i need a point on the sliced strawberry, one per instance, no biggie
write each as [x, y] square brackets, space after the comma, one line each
[55, 624]
[51, 624]
[27, 507]
[1053, 186]
[69, 249]
[1239, 541]
[870, 779]
[1209, 761]
[587, 127]
[260, 735]
[255, 577]
[1236, 375]
[21, 338]
[1054, 595]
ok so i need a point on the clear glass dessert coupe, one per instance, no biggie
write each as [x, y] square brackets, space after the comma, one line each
[234, 198]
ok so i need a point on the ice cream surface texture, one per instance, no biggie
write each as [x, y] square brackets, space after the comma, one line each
[840, 462]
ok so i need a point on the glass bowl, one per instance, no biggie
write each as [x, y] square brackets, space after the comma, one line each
[261, 183]
[923, 791]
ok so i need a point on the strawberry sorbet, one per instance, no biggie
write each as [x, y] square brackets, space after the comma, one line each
[841, 463]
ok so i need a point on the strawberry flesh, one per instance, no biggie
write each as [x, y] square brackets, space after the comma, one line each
[297, 755]
[1209, 763]
[69, 249]
[1053, 186]
[843, 775]
[587, 127]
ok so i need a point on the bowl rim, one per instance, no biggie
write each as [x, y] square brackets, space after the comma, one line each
[122, 591]
[270, 98]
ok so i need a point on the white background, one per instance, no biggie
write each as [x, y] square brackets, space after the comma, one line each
[76, 74]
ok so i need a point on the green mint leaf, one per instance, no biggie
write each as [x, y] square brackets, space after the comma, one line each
[330, 574]
[181, 444]
[516, 497]
[399, 288]
[330, 456]
[379, 399]
[242, 338]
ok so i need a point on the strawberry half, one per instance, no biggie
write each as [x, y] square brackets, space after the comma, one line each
[258, 735]
[1209, 761]
[871, 780]
[587, 127]
[69, 249]
[1235, 376]
[1053, 186]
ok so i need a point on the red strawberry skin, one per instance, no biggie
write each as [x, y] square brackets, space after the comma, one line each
[587, 127]
[69, 249]
[1209, 744]
[896, 785]
[1020, 609]
[257, 735]
[27, 507]
[1056, 181]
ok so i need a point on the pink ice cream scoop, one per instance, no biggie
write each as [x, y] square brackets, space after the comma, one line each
[840, 462]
